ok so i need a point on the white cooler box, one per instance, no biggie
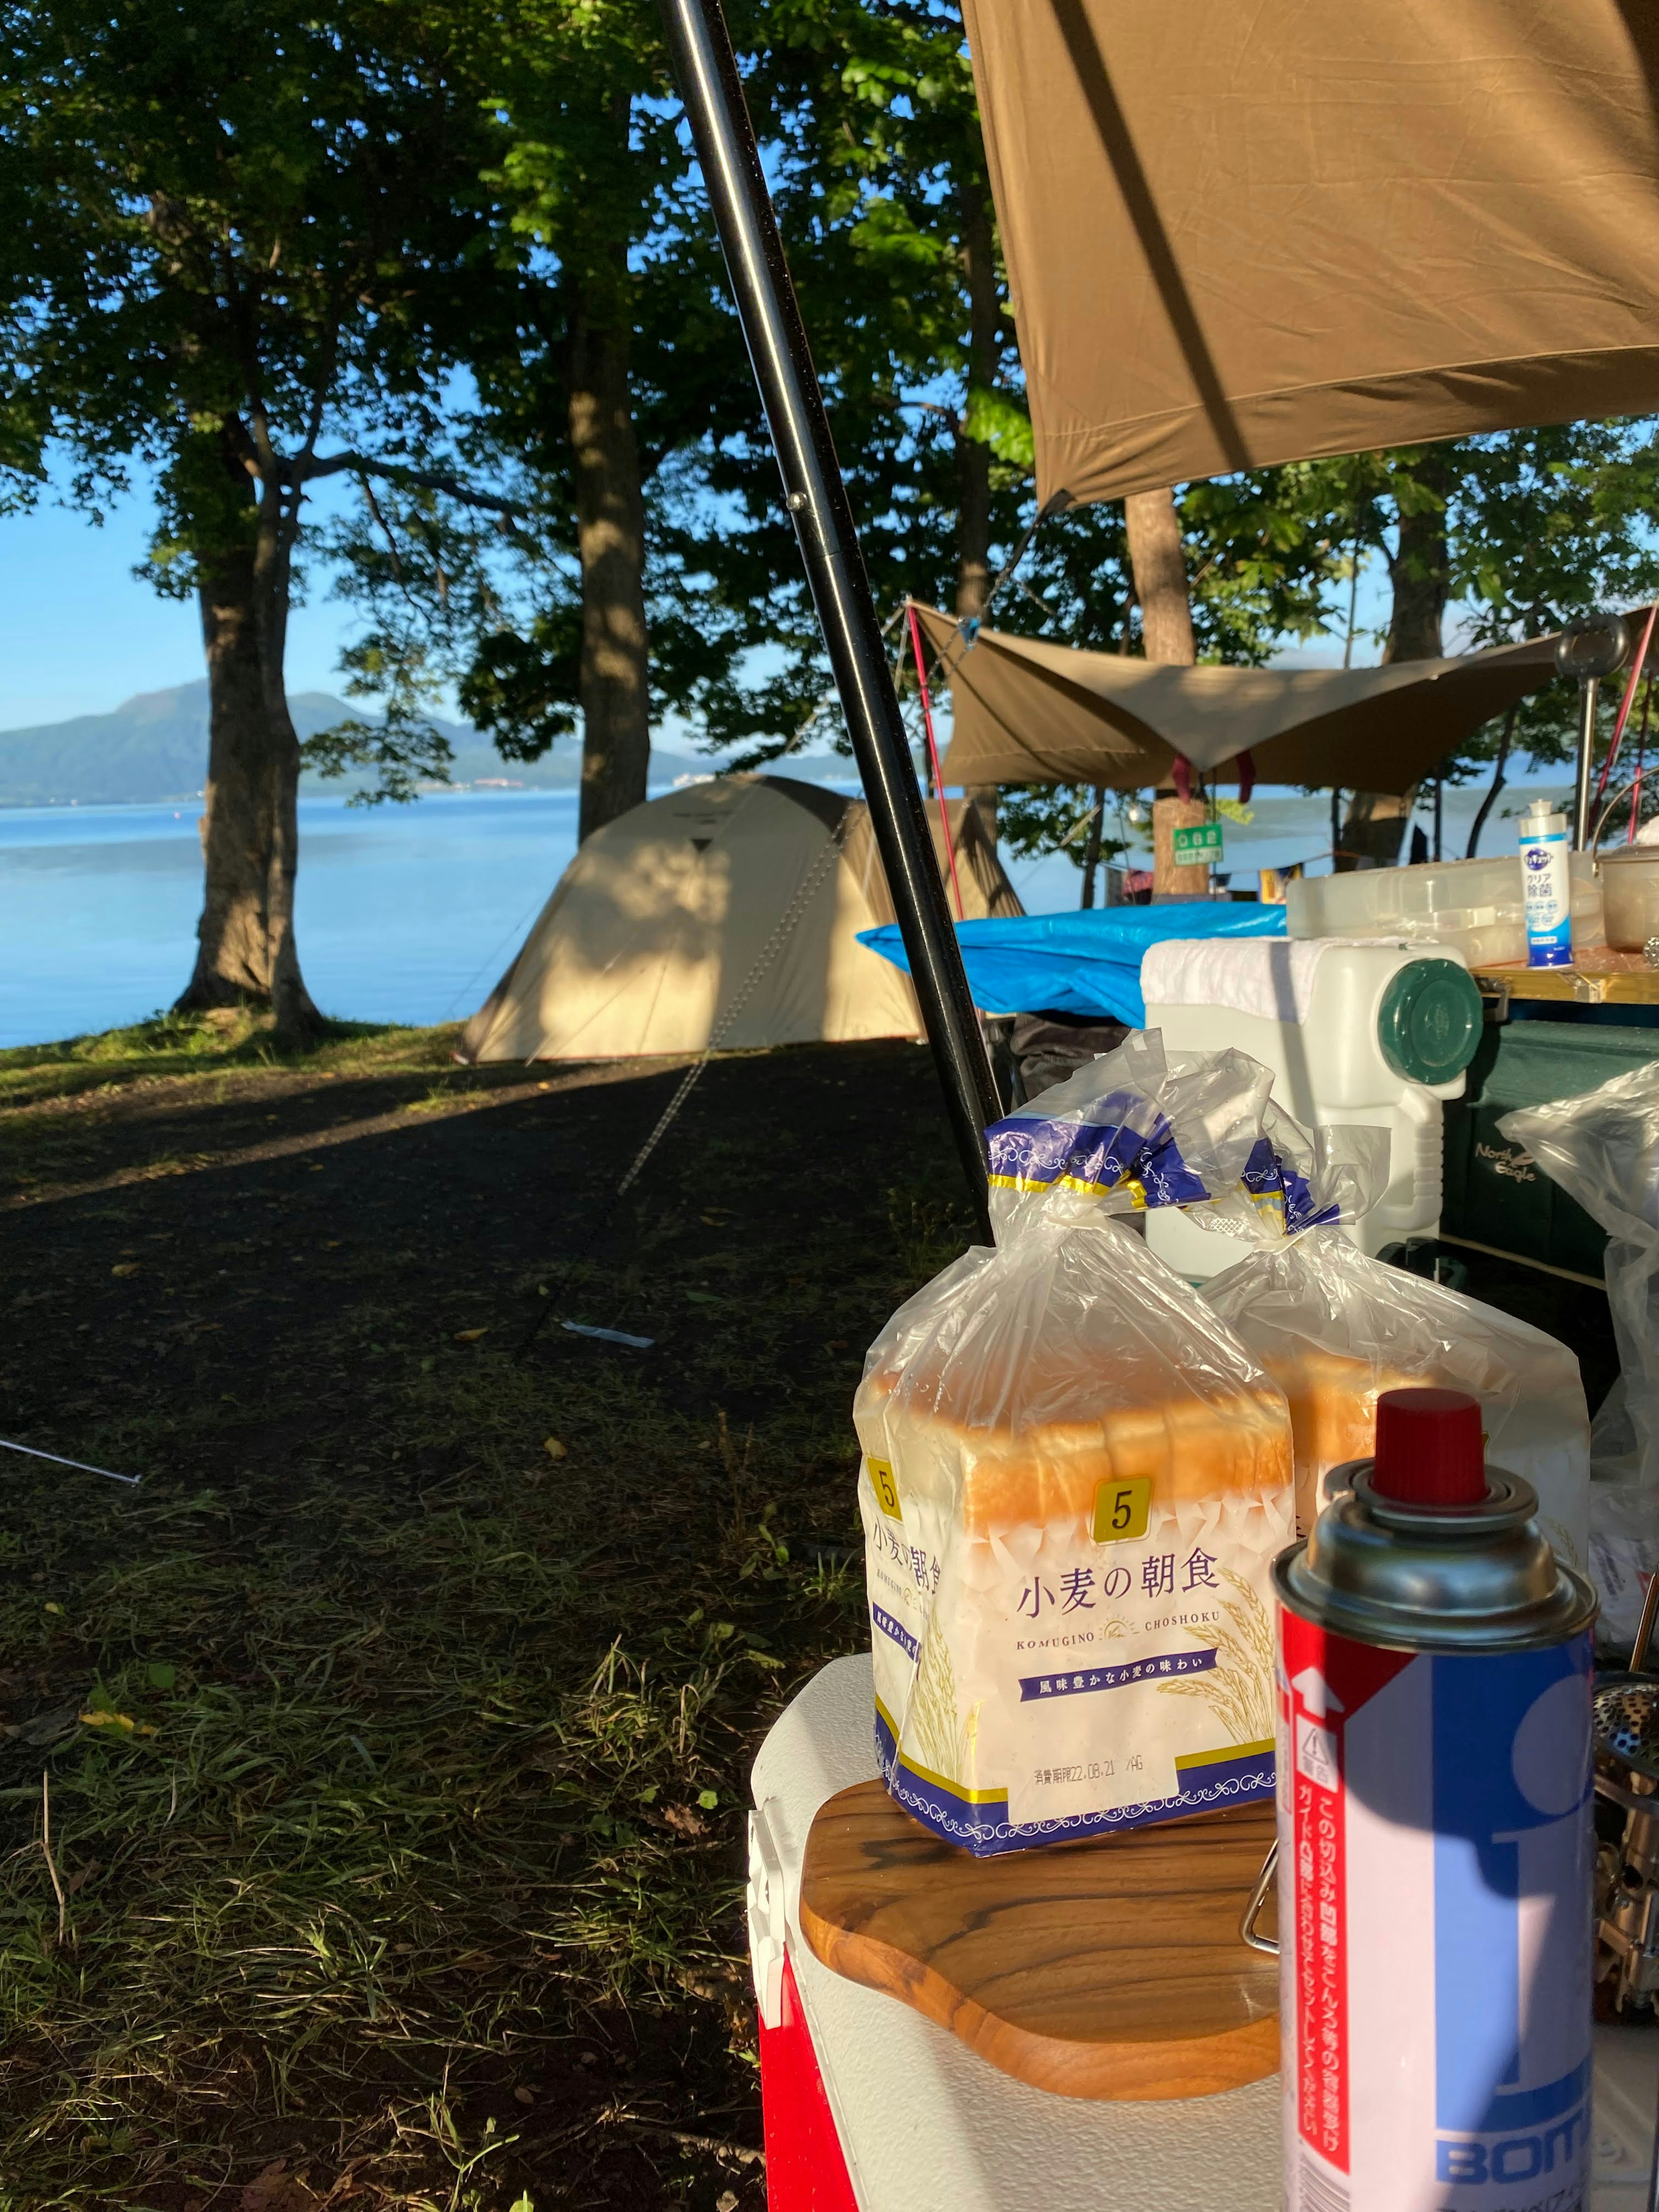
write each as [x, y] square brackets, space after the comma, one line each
[1373, 1031]
[872, 2108]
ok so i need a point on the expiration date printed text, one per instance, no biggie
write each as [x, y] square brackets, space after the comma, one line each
[1099, 1769]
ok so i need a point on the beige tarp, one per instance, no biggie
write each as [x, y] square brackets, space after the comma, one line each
[1238, 235]
[726, 889]
[1027, 712]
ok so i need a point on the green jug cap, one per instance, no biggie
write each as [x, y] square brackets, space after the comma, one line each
[1429, 1023]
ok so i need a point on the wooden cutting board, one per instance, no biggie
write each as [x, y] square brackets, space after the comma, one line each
[1112, 1968]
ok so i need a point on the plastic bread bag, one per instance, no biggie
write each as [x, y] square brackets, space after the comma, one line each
[1334, 1328]
[1131, 1129]
[1074, 1481]
[1602, 1148]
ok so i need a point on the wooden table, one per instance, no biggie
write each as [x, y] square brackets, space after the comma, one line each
[1112, 1968]
[1600, 977]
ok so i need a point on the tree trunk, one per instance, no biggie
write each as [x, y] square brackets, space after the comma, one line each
[1419, 571]
[1092, 848]
[614, 682]
[973, 457]
[246, 949]
[1159, 567]
[1421, 574]
[1495, 787]
[1374, 826]
[1173, 879]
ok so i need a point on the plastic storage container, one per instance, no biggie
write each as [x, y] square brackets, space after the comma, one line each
[1377, 1035]
[1475, 908]
[1629, 894]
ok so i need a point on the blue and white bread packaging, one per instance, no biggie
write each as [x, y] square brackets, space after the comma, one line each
[1075, 1482]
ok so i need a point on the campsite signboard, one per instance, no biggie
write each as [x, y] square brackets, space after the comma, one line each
[1198, 844]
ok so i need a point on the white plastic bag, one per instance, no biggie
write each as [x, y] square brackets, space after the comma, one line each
[1334, 1328]
[1074, 1483]
[1602, 1148]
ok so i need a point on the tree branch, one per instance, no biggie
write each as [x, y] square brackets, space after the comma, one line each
[362, 464]
[325, 383]
[243, 325]
[241, 439]
[391, 542]
[927, 406]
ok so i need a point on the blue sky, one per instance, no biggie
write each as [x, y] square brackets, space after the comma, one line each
[79, 633]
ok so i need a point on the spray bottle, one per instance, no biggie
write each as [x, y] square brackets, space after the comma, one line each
[1547, 885]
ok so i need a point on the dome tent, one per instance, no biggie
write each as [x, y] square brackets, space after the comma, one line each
[658, 927]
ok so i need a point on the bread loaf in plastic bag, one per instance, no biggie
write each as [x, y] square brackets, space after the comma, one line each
[1074, 1481]
[1334, 1328]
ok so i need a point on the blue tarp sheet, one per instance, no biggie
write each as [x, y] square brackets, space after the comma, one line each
[1081, 962]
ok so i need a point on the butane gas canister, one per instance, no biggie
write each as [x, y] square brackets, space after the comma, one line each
[1436, 1847]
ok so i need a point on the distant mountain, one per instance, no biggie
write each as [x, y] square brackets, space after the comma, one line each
[155, 747]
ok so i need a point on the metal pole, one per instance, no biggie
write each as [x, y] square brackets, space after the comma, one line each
[1638, 1651]
[816, 499]
[1589, 646]
[1588, 688]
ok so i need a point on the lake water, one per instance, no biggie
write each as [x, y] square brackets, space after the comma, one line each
[404, 913]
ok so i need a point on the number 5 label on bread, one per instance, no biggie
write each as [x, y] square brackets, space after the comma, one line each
[886, 1490]
[1120, 1510]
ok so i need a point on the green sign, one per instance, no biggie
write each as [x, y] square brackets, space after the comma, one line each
[1193, 847]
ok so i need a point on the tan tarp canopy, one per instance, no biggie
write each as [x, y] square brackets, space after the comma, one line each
[1243, 235]
[1027, 712]
[728, 890]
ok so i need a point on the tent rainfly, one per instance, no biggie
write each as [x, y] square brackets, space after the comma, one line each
[728, 910]
[1027, 712]
[1239, 235]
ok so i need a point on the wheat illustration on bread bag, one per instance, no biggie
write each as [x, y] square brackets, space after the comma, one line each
[1335, 1328]
[1073, 1482]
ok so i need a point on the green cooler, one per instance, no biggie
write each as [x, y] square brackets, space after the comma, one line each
[1495, 1197]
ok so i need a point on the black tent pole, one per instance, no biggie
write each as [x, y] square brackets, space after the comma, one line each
[817, 503]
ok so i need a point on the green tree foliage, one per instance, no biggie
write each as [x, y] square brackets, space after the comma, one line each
[465, 259]
[242, 244]
[866, 111]
[1514, 533]
[597, 179]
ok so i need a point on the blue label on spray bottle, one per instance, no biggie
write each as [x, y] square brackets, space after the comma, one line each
[1547, 886]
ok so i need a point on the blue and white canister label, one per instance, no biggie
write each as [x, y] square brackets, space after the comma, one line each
[1547, 886]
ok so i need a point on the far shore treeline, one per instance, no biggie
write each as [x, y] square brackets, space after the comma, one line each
[458, 259]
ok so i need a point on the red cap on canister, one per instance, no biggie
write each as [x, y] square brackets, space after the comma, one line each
[1430, 1448]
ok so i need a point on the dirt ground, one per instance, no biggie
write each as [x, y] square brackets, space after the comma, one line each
[374, 1775]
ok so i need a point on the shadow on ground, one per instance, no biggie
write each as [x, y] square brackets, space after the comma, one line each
[374, 1775]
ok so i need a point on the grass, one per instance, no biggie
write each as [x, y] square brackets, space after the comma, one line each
[373, 1775]
[100, 1102]
[236, 1040]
